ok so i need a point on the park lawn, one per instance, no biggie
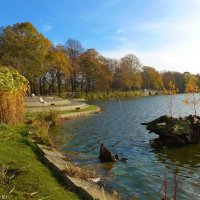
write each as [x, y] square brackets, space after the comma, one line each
[89, 108]
[31, 179]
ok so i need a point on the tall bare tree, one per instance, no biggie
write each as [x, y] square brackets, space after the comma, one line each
[74, 50]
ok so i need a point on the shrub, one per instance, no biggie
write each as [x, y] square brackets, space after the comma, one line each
[41, 132]
[13, 88]
[52, 117]
[41, 124]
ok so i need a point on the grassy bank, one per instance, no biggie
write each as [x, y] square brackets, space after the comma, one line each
[89, 108]
[22, 175]
[110, 95]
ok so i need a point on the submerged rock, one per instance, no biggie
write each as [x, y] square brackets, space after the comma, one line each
[124, 160]
[184, 130]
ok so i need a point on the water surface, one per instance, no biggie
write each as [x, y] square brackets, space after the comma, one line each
[118, 126]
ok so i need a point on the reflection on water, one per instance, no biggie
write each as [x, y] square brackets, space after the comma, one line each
[119, 127]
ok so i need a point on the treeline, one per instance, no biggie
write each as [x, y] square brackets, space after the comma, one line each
[71, 68]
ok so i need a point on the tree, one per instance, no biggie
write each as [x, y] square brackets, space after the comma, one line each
[167, 77]
[179, 81]
[58, 68]
[112, 65]
[127, 73]
[132, 66]
[94, 71]
[25, 49]
[177, 78]
[151, 78]
[192, 92]
[171, 91]
[74, 50]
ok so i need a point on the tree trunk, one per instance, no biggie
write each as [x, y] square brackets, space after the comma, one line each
[59, 82]
[40, 85]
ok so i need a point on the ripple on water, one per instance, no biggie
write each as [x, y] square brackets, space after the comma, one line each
[119, 127]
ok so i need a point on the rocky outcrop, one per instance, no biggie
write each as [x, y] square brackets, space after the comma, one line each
[177, 130]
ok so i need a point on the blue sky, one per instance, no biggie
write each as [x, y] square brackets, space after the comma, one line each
[164, 34]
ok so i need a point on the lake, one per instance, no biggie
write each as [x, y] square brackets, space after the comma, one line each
[118, 126]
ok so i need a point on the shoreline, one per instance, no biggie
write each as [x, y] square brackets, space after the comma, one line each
[74, 115]
[57, 162]
[87, 189]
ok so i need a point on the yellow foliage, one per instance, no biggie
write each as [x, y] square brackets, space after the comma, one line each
[172, 88]
[13, 88]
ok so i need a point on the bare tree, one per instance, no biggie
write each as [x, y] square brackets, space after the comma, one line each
[74, 50]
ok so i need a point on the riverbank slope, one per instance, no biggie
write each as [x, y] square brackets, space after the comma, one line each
[22, 174]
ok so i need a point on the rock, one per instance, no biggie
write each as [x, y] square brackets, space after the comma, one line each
[95, 180]
[178, 130]
[124, 160]
[105, 155]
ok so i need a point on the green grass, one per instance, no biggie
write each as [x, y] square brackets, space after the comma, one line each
[30, 175]
[110, 95]
[89, 108]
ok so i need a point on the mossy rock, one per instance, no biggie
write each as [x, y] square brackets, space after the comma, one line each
[178, 130]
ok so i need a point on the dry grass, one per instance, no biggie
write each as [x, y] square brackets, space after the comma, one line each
[41, 124]
[5, 175]
[78, 172]
[13, 89]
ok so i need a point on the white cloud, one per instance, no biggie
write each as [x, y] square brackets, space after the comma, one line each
[47, 27]
[179, 40]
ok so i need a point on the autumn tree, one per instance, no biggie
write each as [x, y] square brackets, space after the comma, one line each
[128, 73]
[25, 49]
[133, 65]
[172, 90]
[179, 81]
[152, 79]
[192, 92]
[94, 71]
[74, 50]
[58, 68]
[111, 66]
[104, 76]
[177, 78]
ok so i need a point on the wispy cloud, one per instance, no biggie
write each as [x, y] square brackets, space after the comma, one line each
[47, 27]
[174, 39]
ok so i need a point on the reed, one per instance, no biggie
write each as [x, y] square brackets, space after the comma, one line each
[13, 88]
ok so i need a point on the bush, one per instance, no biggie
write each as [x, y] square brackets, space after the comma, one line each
[41, 132]
[52, 118]
[13, 88]
[41, 124]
